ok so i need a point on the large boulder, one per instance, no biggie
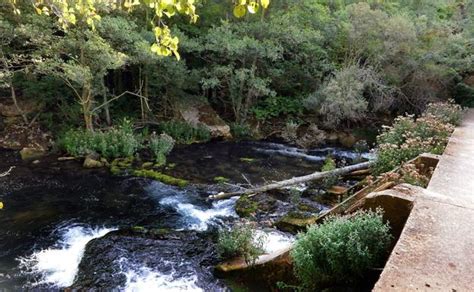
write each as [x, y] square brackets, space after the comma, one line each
[200, 113]
[109, 260]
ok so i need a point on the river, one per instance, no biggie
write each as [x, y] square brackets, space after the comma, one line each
[53, 210]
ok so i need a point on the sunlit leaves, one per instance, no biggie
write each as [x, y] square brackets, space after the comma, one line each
[69, 13]
[252, 6]
[239, 11]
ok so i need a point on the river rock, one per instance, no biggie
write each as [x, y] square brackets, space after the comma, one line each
[200, 113]
[90, 162]
[31, 153]
[295, 221]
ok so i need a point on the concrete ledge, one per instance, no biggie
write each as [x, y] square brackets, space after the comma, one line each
[435, 251]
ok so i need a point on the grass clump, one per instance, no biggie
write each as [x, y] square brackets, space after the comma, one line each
[240, 241]
[341, 249]
[166, 179]
[161, 146]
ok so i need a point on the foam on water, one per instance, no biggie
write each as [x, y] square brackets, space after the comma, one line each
[199, 218]
[144, 279]
[274, 240]
[315, 155]
[58, 265]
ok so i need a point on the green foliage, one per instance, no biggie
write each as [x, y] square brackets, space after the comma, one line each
[184, 133]
[240, 241]
[341, 249]
[161, 146]
[116, 142]
[240, 131]
[277, 106]
[409, 137]
[329, 164]
[342, 99]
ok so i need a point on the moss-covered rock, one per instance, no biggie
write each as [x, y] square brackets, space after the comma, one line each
[147, 165]
[89, 162]
[221, 179]
[169, 180]
[245, 207]
[295, 221]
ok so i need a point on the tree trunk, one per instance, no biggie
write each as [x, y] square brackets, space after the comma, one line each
[108, 120]
[86, 101]
[15, 102]
[294, 181]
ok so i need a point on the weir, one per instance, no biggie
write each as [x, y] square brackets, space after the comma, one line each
[435, 251]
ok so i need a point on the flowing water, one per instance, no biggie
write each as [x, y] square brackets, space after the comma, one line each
[56, 215]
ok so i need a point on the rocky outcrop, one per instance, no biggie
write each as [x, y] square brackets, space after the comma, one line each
[107, 260]
[202, 114]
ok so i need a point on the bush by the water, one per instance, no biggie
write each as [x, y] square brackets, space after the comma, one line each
[185, 133]
[340, 250]
[161, 146]
[409, 137]
[113, 143]
[240, 241]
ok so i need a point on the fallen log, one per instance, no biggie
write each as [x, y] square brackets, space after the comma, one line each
[293, 181]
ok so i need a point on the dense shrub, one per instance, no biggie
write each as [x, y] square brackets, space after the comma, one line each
[276, 106]
[116, 142]
[240, 241]
[185, 133]
[240, 131]
[448, 112]
[161, 146]
[409, 137]
[341, 98]
[342, 249]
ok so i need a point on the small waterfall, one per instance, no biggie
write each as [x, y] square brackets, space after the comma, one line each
[58, 265]
[195, 214]
[199, 218]
[142, 278]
